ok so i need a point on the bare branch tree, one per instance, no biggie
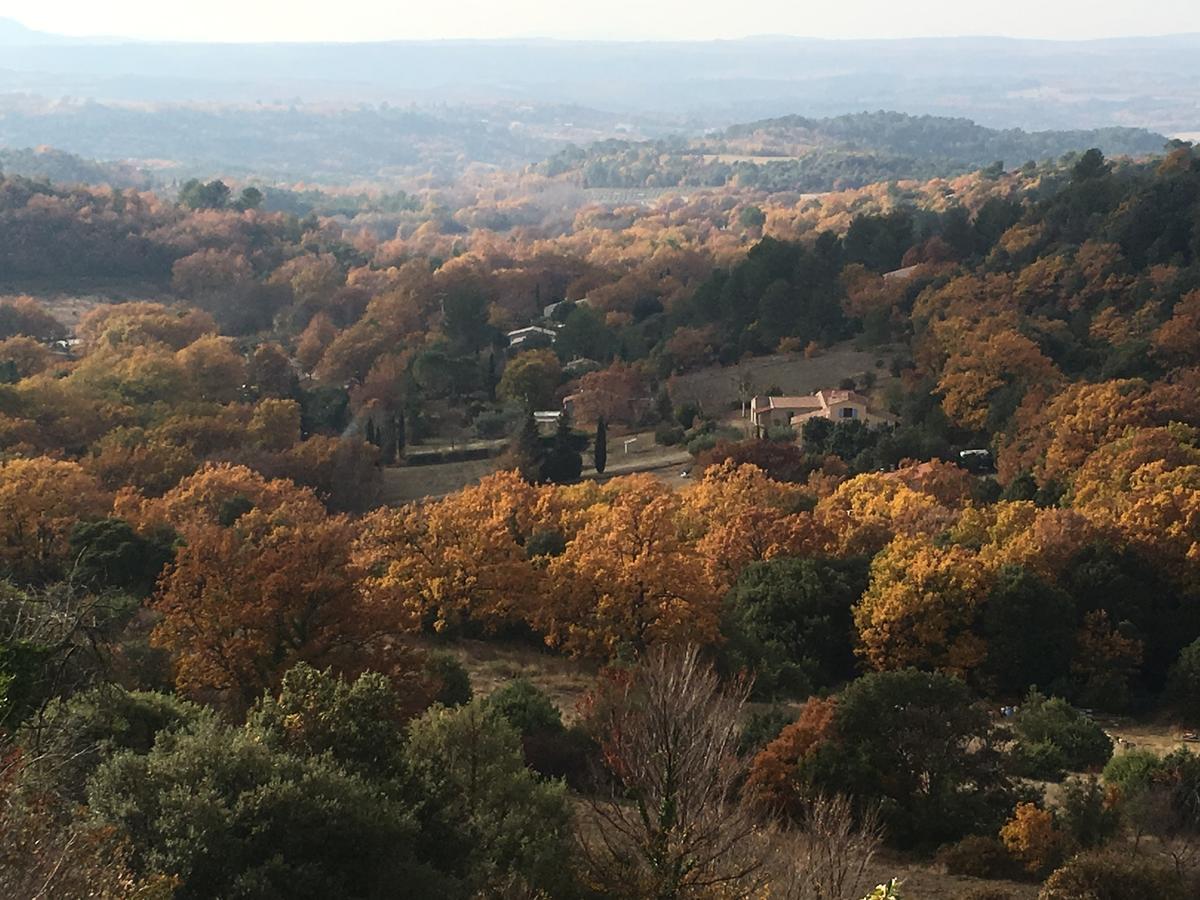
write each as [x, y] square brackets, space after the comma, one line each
[674, 825]
[62, 631]
[827, 856]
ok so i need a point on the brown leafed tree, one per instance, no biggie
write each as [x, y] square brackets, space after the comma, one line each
[630, 579]
[40, 500]
[243, 604]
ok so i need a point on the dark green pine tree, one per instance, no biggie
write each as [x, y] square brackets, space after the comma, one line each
[600, 451]
[491, 375]
[563, 464]
[525, 451]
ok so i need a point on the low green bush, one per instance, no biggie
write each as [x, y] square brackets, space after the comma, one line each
[1053, 736]
[452, 683]
[668, 435]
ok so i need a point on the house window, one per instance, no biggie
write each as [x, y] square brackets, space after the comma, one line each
[847, 412]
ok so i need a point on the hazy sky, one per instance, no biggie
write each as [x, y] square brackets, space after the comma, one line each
[346, 20]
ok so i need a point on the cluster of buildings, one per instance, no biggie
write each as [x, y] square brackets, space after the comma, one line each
[766, 412]
[544, 335]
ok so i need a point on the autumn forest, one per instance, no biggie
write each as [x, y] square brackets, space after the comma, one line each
[412, 535]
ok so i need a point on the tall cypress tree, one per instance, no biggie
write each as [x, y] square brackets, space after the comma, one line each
[387, 442]
[401, 437]
[491, 375]
[600, 451]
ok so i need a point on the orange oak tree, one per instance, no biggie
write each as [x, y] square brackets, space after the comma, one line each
[41, 499]
[242, 604]
[439, 565]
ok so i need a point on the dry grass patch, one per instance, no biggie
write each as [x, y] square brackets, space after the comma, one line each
[718, 388]
[492, 665]
[406, 484]
[927, 881]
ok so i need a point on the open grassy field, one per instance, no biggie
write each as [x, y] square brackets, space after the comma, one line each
[1158, 736]
[644, 455]
[68, 304]
[719, 388]
[404, 484]
[66, 308]
[929, 881]
[407, 484]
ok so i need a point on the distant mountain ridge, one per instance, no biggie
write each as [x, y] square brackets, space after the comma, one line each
[16, 34]
[59, 167]
[402, 147]
[13, 33]
[796, 153]
[950, 137]
[1146, 82]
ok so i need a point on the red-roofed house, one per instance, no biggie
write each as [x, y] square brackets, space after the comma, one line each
[766, 412]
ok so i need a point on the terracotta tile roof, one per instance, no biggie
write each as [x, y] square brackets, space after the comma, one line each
[808, 402]
[839, 396]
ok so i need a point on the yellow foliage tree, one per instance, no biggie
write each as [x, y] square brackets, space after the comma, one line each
[139, 323]
[275, 423]
[40, 500]
[145, 461]
[1147, 486]
[737, 515]
[1021, 533]
[1055, 434]
[866, 512]
[979, 367]
[628, 579]
[214, 370]
[1178, 339]
[218, 495]
[920, 608]
[1106, 476]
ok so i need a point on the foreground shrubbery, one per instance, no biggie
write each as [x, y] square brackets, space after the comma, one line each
[324, 792]
[1115, 876]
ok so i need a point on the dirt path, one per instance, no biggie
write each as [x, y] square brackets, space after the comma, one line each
[1157, 736]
